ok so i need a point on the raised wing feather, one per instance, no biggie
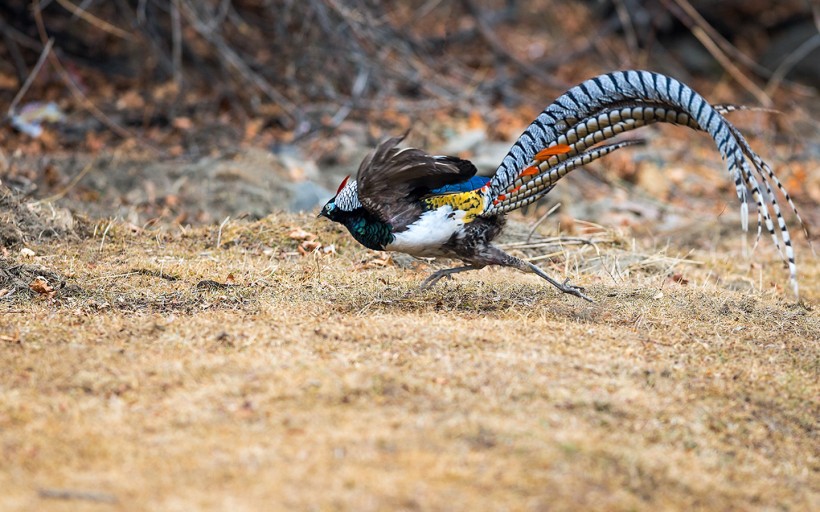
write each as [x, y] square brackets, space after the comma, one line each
[391, 180]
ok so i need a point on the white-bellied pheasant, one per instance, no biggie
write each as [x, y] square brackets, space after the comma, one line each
[409, 201]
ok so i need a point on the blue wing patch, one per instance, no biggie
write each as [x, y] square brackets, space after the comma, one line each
[465, 186]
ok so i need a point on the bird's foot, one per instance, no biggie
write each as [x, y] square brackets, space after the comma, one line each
[573, 290]
[433, 279]
[447, 272]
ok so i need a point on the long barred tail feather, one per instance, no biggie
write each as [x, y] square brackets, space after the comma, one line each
[543, 182]
[609, 104]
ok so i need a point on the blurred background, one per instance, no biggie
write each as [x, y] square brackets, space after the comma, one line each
[186, 112]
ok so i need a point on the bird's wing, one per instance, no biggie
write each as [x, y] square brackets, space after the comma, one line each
[391, 180]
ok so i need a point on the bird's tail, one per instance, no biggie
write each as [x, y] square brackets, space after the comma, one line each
[563, 136]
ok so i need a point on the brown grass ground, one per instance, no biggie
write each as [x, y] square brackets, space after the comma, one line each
[313, 383]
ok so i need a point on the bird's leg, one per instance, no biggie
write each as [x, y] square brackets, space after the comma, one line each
[492, 255]
[447, 272]
[565, 287]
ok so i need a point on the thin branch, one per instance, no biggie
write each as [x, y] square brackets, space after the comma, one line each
[176, 41]
[798, 54]
[500, 50]
[75, 90]
[76, 179]
[95, 21]
[235, 61]
[34, 72]
[695, 18]
[542, 219]
[714, 49]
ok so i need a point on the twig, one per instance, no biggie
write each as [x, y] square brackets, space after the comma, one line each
[798, 54]
[31, 77]
[729, 66]
[75, 90]
[628, 26]
[714, 49]
[694, 17]
[542, 219]
[16, 54]
[498, 48]
[105, 232]
[235, 61]
[176, 44]
[71, 184]
[219, 233]
[95, 21]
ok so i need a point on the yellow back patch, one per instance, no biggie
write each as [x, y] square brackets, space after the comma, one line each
[471, 202]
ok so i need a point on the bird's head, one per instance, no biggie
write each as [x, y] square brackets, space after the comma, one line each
[343, 203]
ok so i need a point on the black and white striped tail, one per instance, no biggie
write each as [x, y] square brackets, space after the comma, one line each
[606, 105]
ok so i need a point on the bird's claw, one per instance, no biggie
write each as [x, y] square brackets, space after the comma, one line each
[574, 290]
[433, 280]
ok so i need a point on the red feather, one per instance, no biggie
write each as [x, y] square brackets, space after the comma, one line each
[344, 182]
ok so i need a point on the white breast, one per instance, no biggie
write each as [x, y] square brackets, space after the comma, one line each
[426, 236]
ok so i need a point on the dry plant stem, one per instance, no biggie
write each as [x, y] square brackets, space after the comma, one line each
[501, 51]
[629, 28]
[693, 17]
[95, 21]
[76, 179]
[542, 219]
[14, 51]
[236, 62]
[701, 35]
[76, 92]
[176, 41]
[798, 54]
[34, 72]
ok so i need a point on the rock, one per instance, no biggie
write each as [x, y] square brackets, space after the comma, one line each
[464, 141]
[488, 156]
[307, 196]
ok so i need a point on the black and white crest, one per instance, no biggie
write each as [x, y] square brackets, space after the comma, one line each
[347, 198]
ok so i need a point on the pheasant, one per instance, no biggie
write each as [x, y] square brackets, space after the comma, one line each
[406, 200]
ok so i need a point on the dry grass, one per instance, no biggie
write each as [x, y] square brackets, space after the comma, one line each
[314, 383]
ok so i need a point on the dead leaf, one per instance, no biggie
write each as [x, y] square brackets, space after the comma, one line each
[378, 260]
[130, 100]
[231, 279]
[182, 123]
[301, 234]
[41, 286]
[253, 127]
[678, 278]
[11, 339]
[308, 246]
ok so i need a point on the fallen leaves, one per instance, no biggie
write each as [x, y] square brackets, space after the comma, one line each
[40, 286]
[300, 234]
[678, 278]
[309, 244]
[376, 260]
